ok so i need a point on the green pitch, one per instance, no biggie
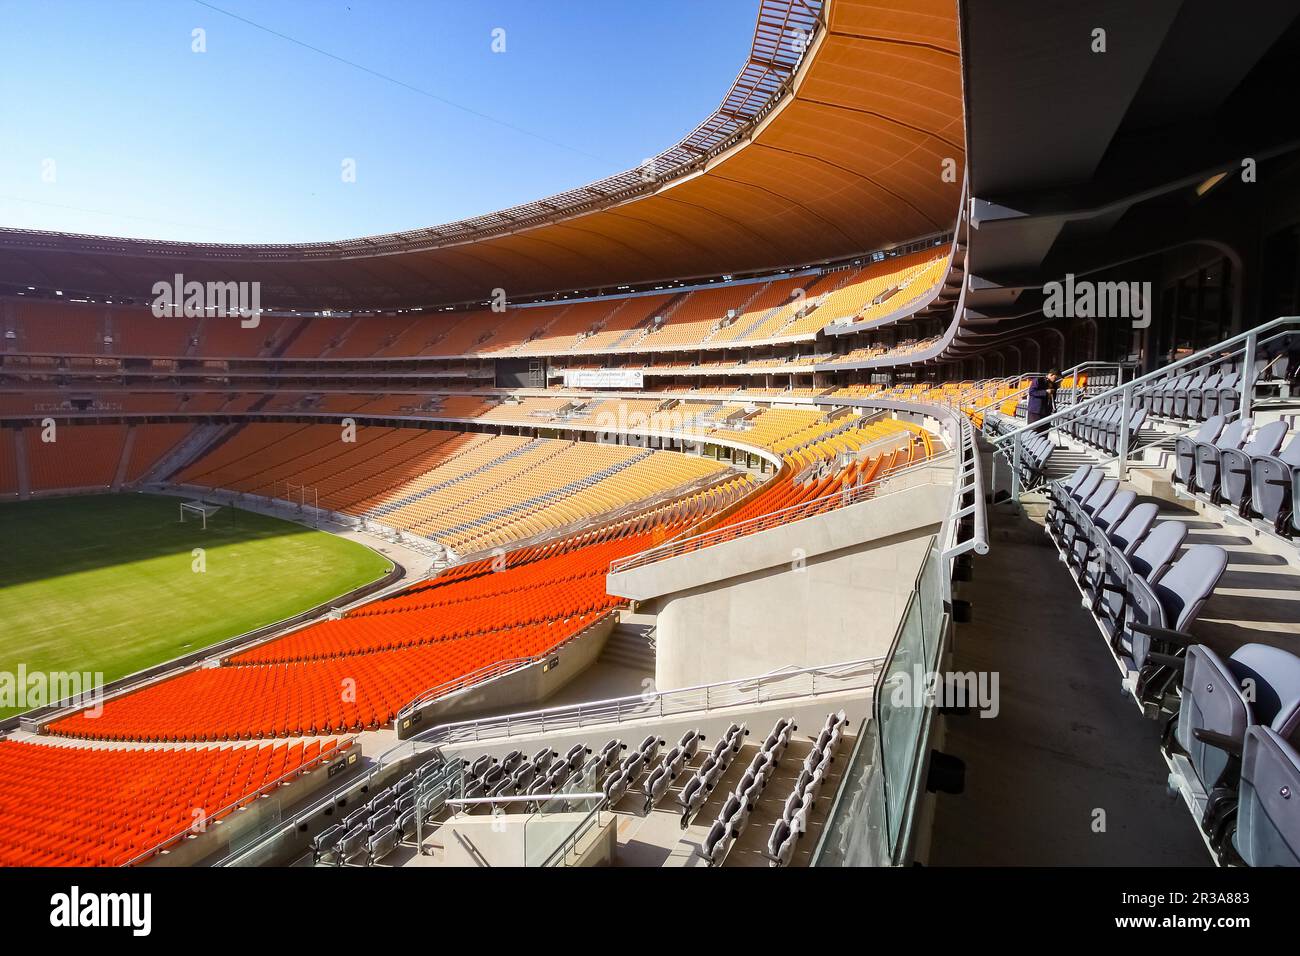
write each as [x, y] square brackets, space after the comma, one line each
[109, 582]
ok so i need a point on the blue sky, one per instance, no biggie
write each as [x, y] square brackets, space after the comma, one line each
[246, 141]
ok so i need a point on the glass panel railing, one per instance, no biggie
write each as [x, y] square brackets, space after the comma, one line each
[855, 831]
[870, 820]
[899, 721]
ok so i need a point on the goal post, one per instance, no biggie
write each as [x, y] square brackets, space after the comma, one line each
[198, 510]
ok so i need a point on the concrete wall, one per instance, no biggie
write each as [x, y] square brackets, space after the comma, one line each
[518, 689]
[735, 610]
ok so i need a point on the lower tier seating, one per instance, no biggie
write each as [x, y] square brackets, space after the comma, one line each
[82, 806]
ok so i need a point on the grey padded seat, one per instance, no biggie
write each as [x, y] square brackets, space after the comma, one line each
[511, 761]
[1121, 539]
[406, 823]
[1207, 455]
[1159, 614]
[610, 752]
[1235, 463]
[649, 747]
[690, 743]
[1271, 481]
[735, 736]
[1268, 821]
[633, 765]
[383, 843]
[1188, 401]
[1216, 711]
[357, 817]
[542, 759]
[524, 776]
[325, 841]
[1185, 448]
[1150, 559]
[575, 757]
[616, 787]
[780, 845]
[382, 820]
[692, 798]
[352, 846]
[716, 843]
[1081, 544]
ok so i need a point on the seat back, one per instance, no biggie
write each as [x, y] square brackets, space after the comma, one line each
[1212, 700]
[1268, 808]
[1154, 552]
[1189, 582]
[1234, 436]
[1210, 429]
[1119, 505]
[1272, 676]
[1267, 440]
[1129, 533]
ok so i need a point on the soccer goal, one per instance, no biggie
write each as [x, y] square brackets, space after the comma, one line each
[198, 510]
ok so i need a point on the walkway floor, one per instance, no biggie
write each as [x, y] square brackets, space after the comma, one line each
[1068, 773]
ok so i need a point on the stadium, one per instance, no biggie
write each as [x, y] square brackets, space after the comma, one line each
[899, 469]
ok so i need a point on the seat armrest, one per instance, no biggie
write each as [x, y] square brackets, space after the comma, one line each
[1229, 745]
[1179, 638]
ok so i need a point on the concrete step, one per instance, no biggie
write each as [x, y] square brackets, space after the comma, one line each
[629, 645]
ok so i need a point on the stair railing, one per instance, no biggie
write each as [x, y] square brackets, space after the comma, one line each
[1245, 344]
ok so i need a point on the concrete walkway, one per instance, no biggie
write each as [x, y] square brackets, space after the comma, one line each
[1068, 773]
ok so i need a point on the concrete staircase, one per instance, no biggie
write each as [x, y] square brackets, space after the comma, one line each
[630, 644]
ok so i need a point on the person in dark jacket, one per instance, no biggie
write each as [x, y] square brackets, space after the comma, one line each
[1042, 395]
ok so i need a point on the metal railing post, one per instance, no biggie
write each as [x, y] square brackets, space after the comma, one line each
[1248, 374]
[1125, 410]
[1016, 447]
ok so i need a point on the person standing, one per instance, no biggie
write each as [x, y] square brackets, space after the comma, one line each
[1042, 395]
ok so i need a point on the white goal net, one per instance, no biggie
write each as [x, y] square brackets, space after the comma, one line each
[198, 511]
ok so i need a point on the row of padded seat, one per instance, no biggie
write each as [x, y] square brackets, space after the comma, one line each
[733, 816]
[696, 791]
[801, 802]
[1196, 395]
[1101, 425]
[1243, 468]
[1231, 749]
[1141, 595]
[1231, 723]
[390, 818]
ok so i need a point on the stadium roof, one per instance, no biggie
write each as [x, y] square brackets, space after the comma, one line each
[831, 142]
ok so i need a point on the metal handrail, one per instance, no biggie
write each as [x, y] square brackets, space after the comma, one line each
[1215, 352]
[1072, 370]
[846, 675]
[486, 672]
[264, 790]
[1244, 344]
[839, 499]
[489, 672]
